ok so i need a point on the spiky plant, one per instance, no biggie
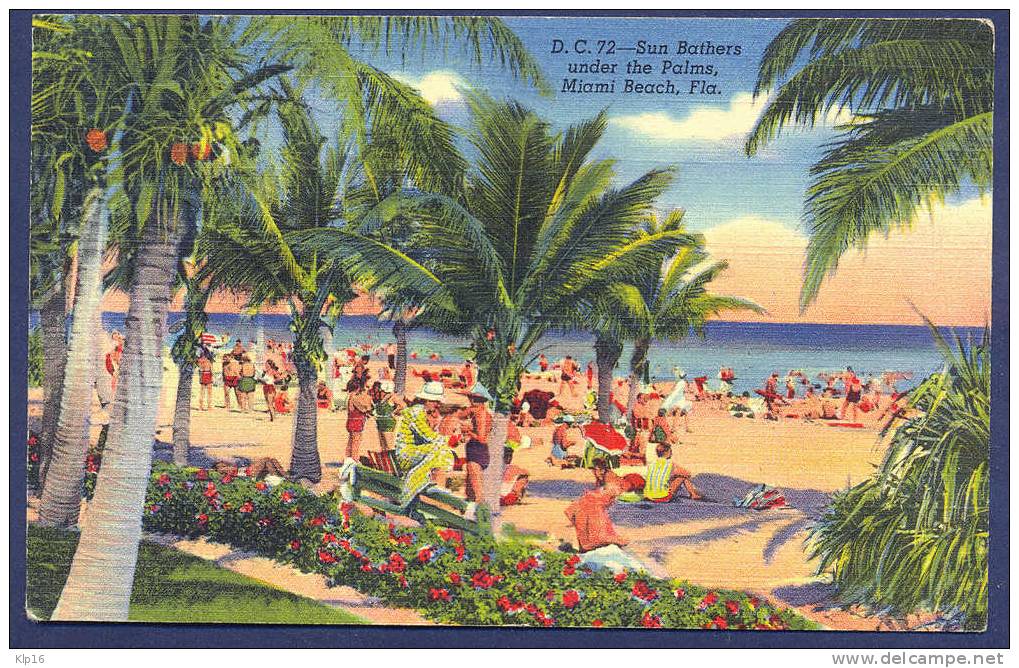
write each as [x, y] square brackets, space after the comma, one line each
[914, 536]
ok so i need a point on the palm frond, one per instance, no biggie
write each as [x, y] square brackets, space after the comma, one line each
[863, 186]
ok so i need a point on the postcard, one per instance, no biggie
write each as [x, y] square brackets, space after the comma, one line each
[597, 322]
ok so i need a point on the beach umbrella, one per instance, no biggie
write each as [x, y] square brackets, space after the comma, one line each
[604, 437]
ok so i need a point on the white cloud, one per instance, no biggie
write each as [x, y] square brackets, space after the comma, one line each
[439, 87]
[705, 124]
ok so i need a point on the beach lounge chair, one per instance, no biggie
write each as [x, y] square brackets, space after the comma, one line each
[381, 490]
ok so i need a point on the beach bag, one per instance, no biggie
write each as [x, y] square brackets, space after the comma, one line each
[761, 497]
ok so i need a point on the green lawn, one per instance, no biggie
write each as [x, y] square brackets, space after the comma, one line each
[170, 586]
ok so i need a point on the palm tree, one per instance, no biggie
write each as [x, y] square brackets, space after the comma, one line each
[254, 254]
[921, 95]
[517, 250]
[186, 74]
[185, 351]
[76, 106]
[669, 301]
[161, 57]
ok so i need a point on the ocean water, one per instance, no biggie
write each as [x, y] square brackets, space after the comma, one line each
[754, 350]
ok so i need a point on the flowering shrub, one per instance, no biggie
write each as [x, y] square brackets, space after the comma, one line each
[33, 459]
[449, 576]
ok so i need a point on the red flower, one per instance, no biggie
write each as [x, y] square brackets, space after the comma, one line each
[168, 495]
[154, 508]
[227, 478]
[163, 480]
[326, 557]
[680, 593]
[246, 507]
[247, 471]
[202, 474]
[438, 594]
[296, 513]
[459, 550]
[328, 538]
[570, 598]
[210, 490]
[33, 457]
[96, 140]
[455, 578]
[202, 518]
[485, 558]
[732, 607]
[620, 577]
[754, 602]
[287, 496]
[264, 521]
[710, 599]
[295, 545]
[261, 486]
[484, 580]
[425, 555]
[397, 564]
[572, 560]
[569, 570]
[643, 592]
[33, 440]
[317, 521]
[450, 535]
[598, 623]
[720, 623]
[650, 621]
[366, 567]
[179, 153]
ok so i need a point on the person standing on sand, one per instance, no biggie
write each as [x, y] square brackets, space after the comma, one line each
[231, 376]
[246, 384]
[479, 428]
[359, 405]
[590, 376]
[543, 362]
[385, 406]
[271, 375]
[204, 381]
[567, 377]
[854, 392]
[391, 355]
[676, 404]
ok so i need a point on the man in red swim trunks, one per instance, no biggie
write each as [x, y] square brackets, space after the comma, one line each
[204, 382]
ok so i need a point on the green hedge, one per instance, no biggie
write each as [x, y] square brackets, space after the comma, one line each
[448, 576]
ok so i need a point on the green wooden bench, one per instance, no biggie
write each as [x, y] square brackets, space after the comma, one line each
[433, 504]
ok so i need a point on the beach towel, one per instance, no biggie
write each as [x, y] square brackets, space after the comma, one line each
[761, 497]
[612, 557]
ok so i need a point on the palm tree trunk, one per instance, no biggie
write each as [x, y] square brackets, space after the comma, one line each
[98, 587]
[400, 375]
[53, 322]
[492, 482]
[61, 495]
[182, 414]
[304, 459]
[606, 355]
[637, 361]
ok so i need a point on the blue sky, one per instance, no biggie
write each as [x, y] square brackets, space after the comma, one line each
[699, 134]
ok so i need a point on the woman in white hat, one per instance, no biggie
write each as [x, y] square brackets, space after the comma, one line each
[419, 448]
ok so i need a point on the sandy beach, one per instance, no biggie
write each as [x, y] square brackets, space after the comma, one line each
[709, 542]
